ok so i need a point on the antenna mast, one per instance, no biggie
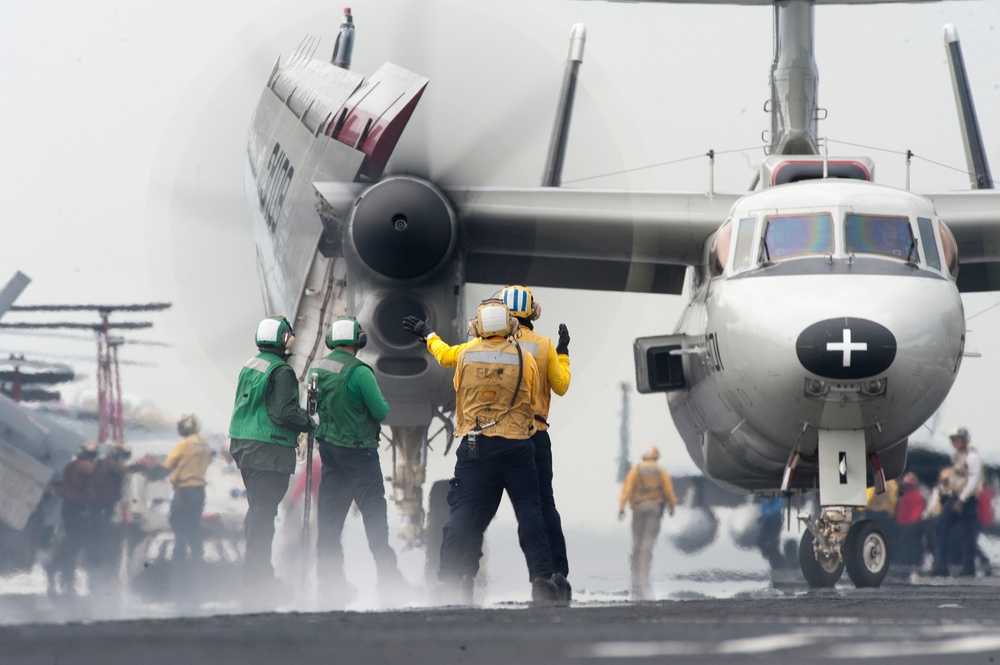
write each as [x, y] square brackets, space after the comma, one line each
[623, 434]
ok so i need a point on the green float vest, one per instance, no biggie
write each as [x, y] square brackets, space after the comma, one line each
[250, 419]
[344, 420]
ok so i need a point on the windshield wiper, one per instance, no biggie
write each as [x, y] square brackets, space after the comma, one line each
[913, 255]
[764, 252]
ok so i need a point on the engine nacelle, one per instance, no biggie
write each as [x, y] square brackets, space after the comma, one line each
[401, 247]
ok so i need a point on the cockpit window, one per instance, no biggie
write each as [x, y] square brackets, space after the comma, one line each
[744, 244]
[875, 234]
[797, 235]
[929, 244]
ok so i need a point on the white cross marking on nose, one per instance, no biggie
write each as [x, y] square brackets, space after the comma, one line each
[847, 346]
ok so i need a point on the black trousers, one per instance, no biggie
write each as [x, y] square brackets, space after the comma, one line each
[185, 520]
[77, 521]
[476, 489]
[553, 523]
[265, 490]
[351, 475]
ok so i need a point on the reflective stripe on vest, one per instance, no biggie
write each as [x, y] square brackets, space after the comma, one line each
[492, 358]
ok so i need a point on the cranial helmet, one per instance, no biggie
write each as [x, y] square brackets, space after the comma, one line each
[961, 433]
[275, 332]
[121, 452]
[650, 453]
[88, 450]
[346, 331]
[520, 302]
[188, 425]
[493, 319]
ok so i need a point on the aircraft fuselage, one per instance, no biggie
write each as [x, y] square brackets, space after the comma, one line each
[842, 334]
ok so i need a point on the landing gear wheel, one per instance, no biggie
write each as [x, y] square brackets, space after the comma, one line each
[437, 515]
[866, 550]
[821, 573]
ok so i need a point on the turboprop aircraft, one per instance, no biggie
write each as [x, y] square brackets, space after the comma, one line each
[824, 323]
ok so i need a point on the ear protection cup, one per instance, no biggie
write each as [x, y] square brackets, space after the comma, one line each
[362, 338]
[288, 336]
[536, 311]
[474, 327]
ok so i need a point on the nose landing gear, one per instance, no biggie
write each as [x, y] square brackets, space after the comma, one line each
[833, 543]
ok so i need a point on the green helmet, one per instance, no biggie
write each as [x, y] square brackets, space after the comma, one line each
[346, 331]
[275, 332]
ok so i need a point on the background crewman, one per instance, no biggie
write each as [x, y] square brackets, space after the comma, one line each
[964, 484]
[188, 462]
[77, 519]
[106, 485]
[495, 385]
[649, 490]
[263, 435]
[350, 408]
[554, 376]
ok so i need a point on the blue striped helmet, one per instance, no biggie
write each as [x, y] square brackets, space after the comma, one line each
[520, 302]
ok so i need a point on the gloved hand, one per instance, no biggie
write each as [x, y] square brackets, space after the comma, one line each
[301, 447]
[621, 515]
[563, 346]
[417, 327]
[957, 506]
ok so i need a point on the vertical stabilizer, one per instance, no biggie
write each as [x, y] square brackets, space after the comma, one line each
[560, 129]
[975, 151]
[794, 81]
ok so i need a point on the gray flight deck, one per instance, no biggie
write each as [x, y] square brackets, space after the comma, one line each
[913, 621]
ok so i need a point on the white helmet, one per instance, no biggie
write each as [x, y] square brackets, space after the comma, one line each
[961, 433]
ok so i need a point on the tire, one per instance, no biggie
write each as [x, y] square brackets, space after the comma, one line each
[437, 515]
[866, 551]
[822, 574]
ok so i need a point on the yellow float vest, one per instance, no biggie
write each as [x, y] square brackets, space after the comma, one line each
[538, 346]
[486, 377]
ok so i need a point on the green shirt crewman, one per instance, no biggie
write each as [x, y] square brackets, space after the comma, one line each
[350, 408]
[267, 419]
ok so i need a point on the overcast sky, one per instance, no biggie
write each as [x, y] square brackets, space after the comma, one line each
[126, 124]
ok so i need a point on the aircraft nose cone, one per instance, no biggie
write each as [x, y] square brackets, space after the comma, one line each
[846, 348]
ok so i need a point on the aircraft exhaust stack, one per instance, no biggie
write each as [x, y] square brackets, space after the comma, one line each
[345, 42]
[972, 138]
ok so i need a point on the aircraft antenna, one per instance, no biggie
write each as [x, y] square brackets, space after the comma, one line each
[12, 290]
[344, 45]
[623, 435]
[110, 415]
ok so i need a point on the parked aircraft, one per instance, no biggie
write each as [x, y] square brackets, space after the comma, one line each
[824, 322]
